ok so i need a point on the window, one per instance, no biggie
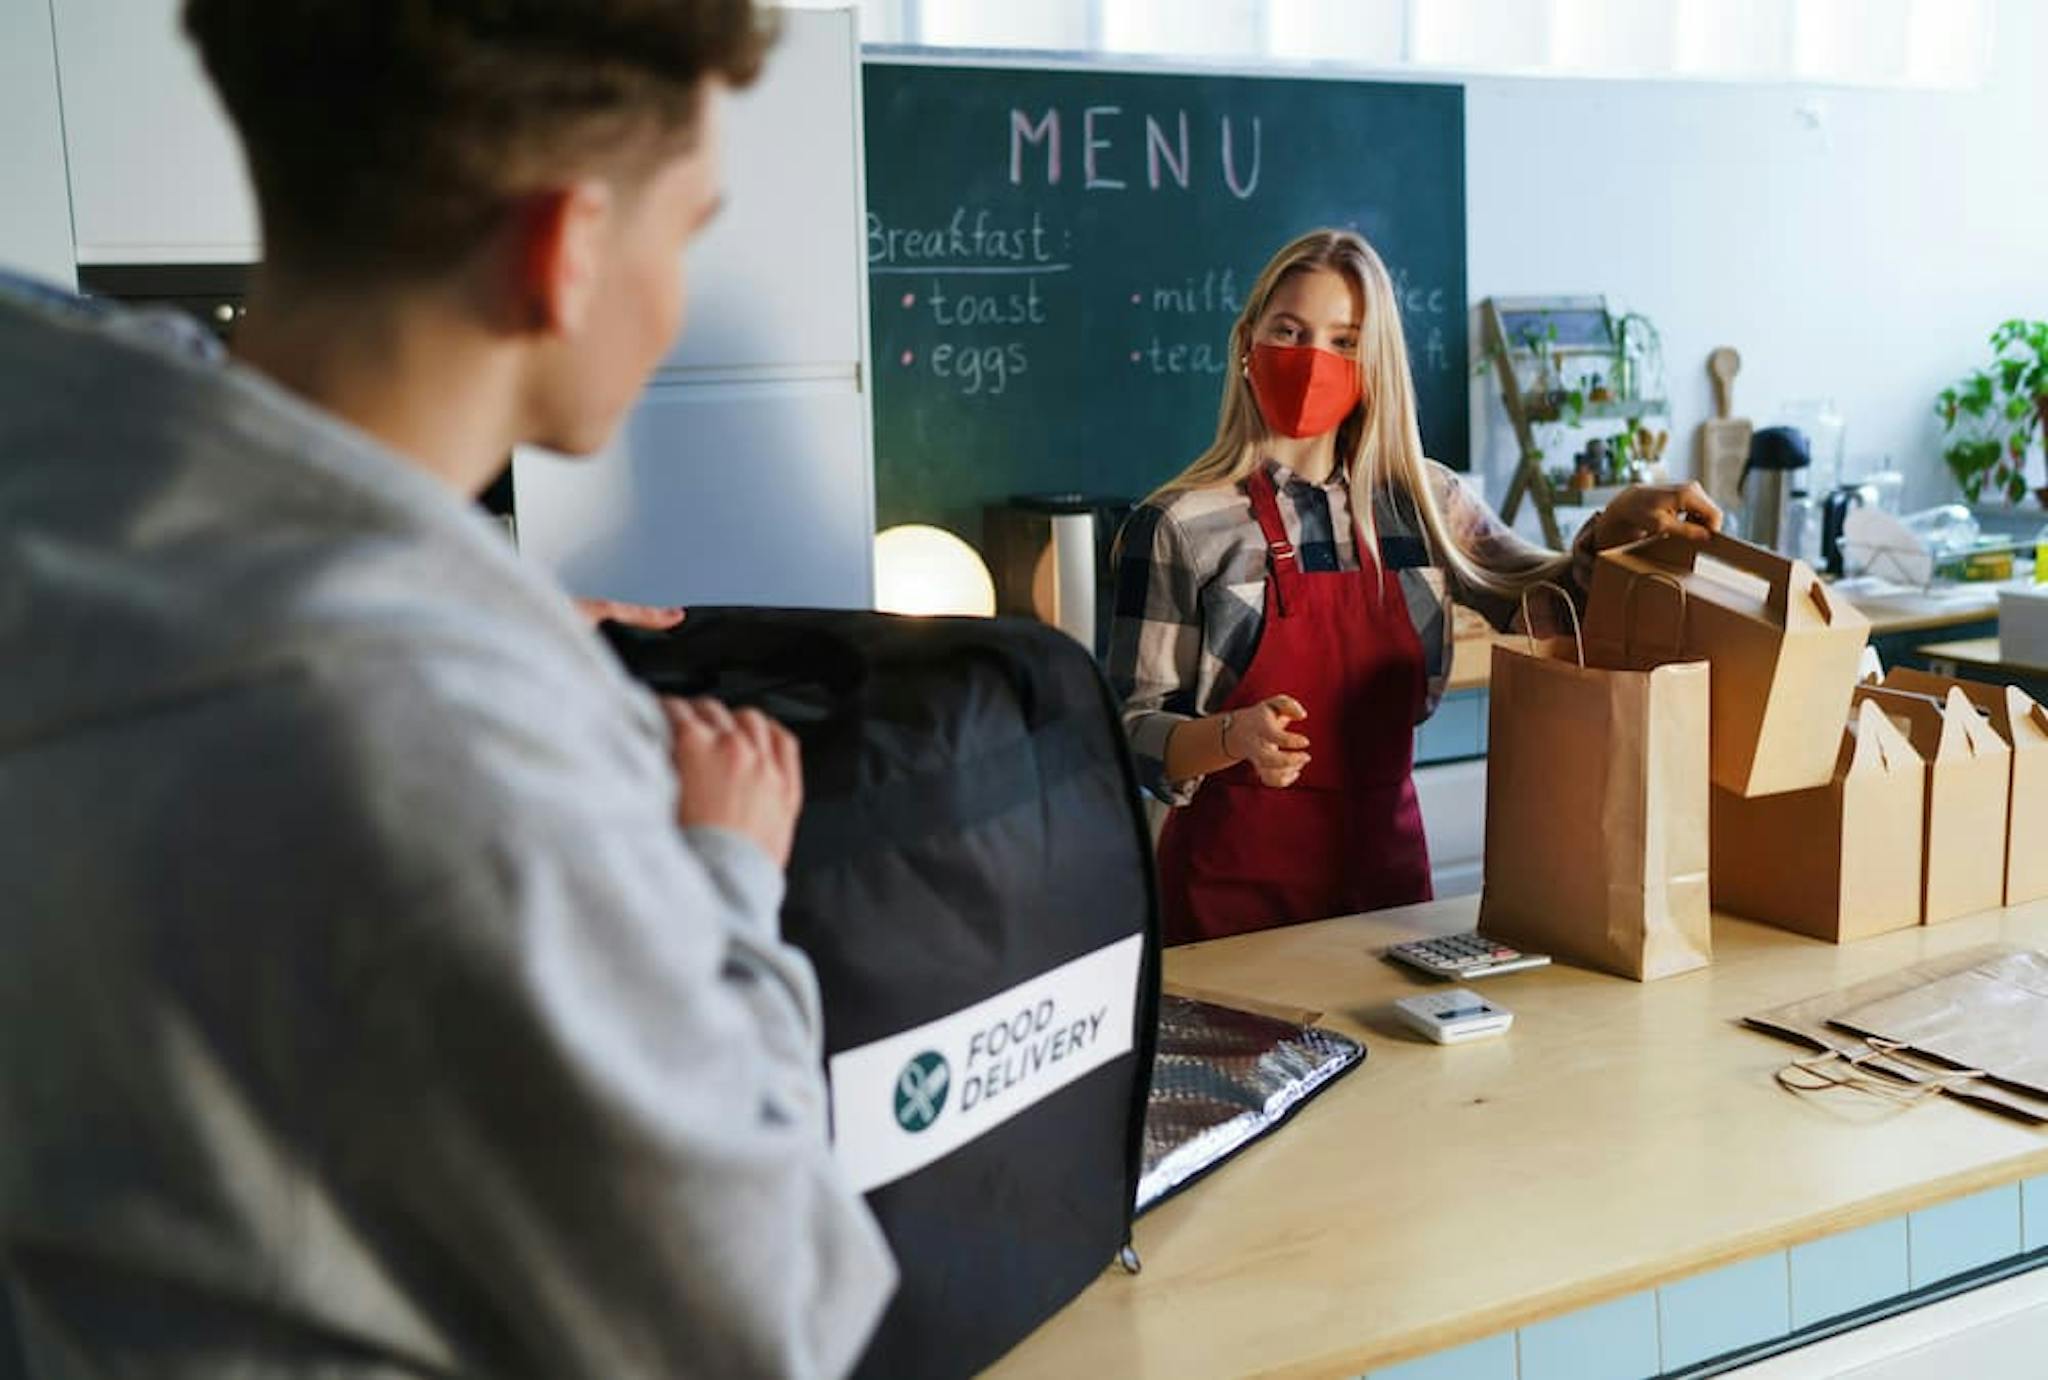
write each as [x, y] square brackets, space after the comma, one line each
[1850, 40]
[1194, 28]
[1361, 33]
[1948, 42]
[1613, 37]
[1740, 39]
[1925, 43]
[1480, 35]
[1056, 25]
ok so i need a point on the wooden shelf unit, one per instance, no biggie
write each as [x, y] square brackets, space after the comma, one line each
[1574, 327]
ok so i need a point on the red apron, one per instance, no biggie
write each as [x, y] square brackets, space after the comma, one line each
[1347, 835]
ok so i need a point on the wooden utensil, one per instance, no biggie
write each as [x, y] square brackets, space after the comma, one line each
[1724, 364]
[1724, 439]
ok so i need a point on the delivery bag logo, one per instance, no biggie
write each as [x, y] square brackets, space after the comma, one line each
[921, 1091]
[912, 1098]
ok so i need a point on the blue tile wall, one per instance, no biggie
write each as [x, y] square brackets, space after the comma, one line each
[1753, 1301]
[1724, 1309]
[1457, 729]
[1840, 1274]
[1613, 1341]
[1964, 1234]
[1490, 1359]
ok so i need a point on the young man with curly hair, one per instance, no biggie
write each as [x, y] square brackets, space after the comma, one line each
[375, 1000]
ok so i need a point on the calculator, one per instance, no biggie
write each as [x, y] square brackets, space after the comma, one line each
[1461, 956]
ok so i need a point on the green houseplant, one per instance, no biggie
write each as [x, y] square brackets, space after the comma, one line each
[1993, 415]
[1549, 400]
[1638, 358]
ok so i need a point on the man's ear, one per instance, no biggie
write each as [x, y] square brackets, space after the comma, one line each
[560, 252]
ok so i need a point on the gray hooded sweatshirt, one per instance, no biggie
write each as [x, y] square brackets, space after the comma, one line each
[363, 1011]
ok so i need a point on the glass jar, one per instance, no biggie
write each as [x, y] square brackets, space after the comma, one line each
[1800, 536]
[1825, 434]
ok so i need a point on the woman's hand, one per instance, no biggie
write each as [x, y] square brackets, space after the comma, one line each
[1654, 510]
[1258, 734]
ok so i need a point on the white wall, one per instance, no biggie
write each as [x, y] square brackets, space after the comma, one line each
[35, 205]
[1864, 258]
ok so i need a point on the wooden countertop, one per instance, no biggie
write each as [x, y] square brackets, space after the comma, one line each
[1471, 662]
[1624, 1135]
[1948, 607]
[1980, 653]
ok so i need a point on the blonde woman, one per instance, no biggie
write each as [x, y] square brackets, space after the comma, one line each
[1282, 608]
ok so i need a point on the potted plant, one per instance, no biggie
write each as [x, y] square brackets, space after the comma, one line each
[1992, 416]
[1638, 358]
[1549, 399]
[1545, 398]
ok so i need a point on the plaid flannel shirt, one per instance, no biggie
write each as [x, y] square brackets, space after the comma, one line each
[1191, 592]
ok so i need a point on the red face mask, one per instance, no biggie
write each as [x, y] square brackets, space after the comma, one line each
[1302, 390]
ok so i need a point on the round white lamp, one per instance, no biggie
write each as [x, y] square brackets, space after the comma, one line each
[927, 570]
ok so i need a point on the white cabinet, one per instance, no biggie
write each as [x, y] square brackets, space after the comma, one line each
[745, 474]
[1453, 801]
[156, 172]
[749, 493]
[35, 224]
[778, 276]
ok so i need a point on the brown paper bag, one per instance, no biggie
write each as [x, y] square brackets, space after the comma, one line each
[1784, 652]
[2024, 726]
[1596, 811]
[1839, 862]
[1810, 1021]
[1992, 1018]
[1969, 773]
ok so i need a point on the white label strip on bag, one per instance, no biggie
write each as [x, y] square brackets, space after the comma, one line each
[916, 1096]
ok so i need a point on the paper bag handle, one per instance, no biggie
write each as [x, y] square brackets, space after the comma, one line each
[1857, 1069]
[1628, 604]
[1564, 597]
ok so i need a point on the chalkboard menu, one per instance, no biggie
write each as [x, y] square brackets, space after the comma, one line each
[1056, 256]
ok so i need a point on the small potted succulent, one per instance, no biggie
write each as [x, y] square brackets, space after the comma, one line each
[1992, 416]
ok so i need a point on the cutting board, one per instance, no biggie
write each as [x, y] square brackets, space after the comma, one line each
[1724, 438]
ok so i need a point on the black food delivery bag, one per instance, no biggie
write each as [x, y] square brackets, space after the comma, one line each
[972, 878]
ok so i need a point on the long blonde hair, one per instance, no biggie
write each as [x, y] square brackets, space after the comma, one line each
[1380, 442]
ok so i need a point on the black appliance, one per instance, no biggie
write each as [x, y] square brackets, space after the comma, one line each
[1834, 518]
[211, 294]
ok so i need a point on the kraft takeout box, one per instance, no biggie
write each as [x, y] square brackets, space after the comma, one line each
[2023, 725]
[1784, 653]
[1968, 773]
[1838, 862]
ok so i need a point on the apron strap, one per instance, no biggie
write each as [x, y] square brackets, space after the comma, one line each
[1283, 559]
[1280, 553]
